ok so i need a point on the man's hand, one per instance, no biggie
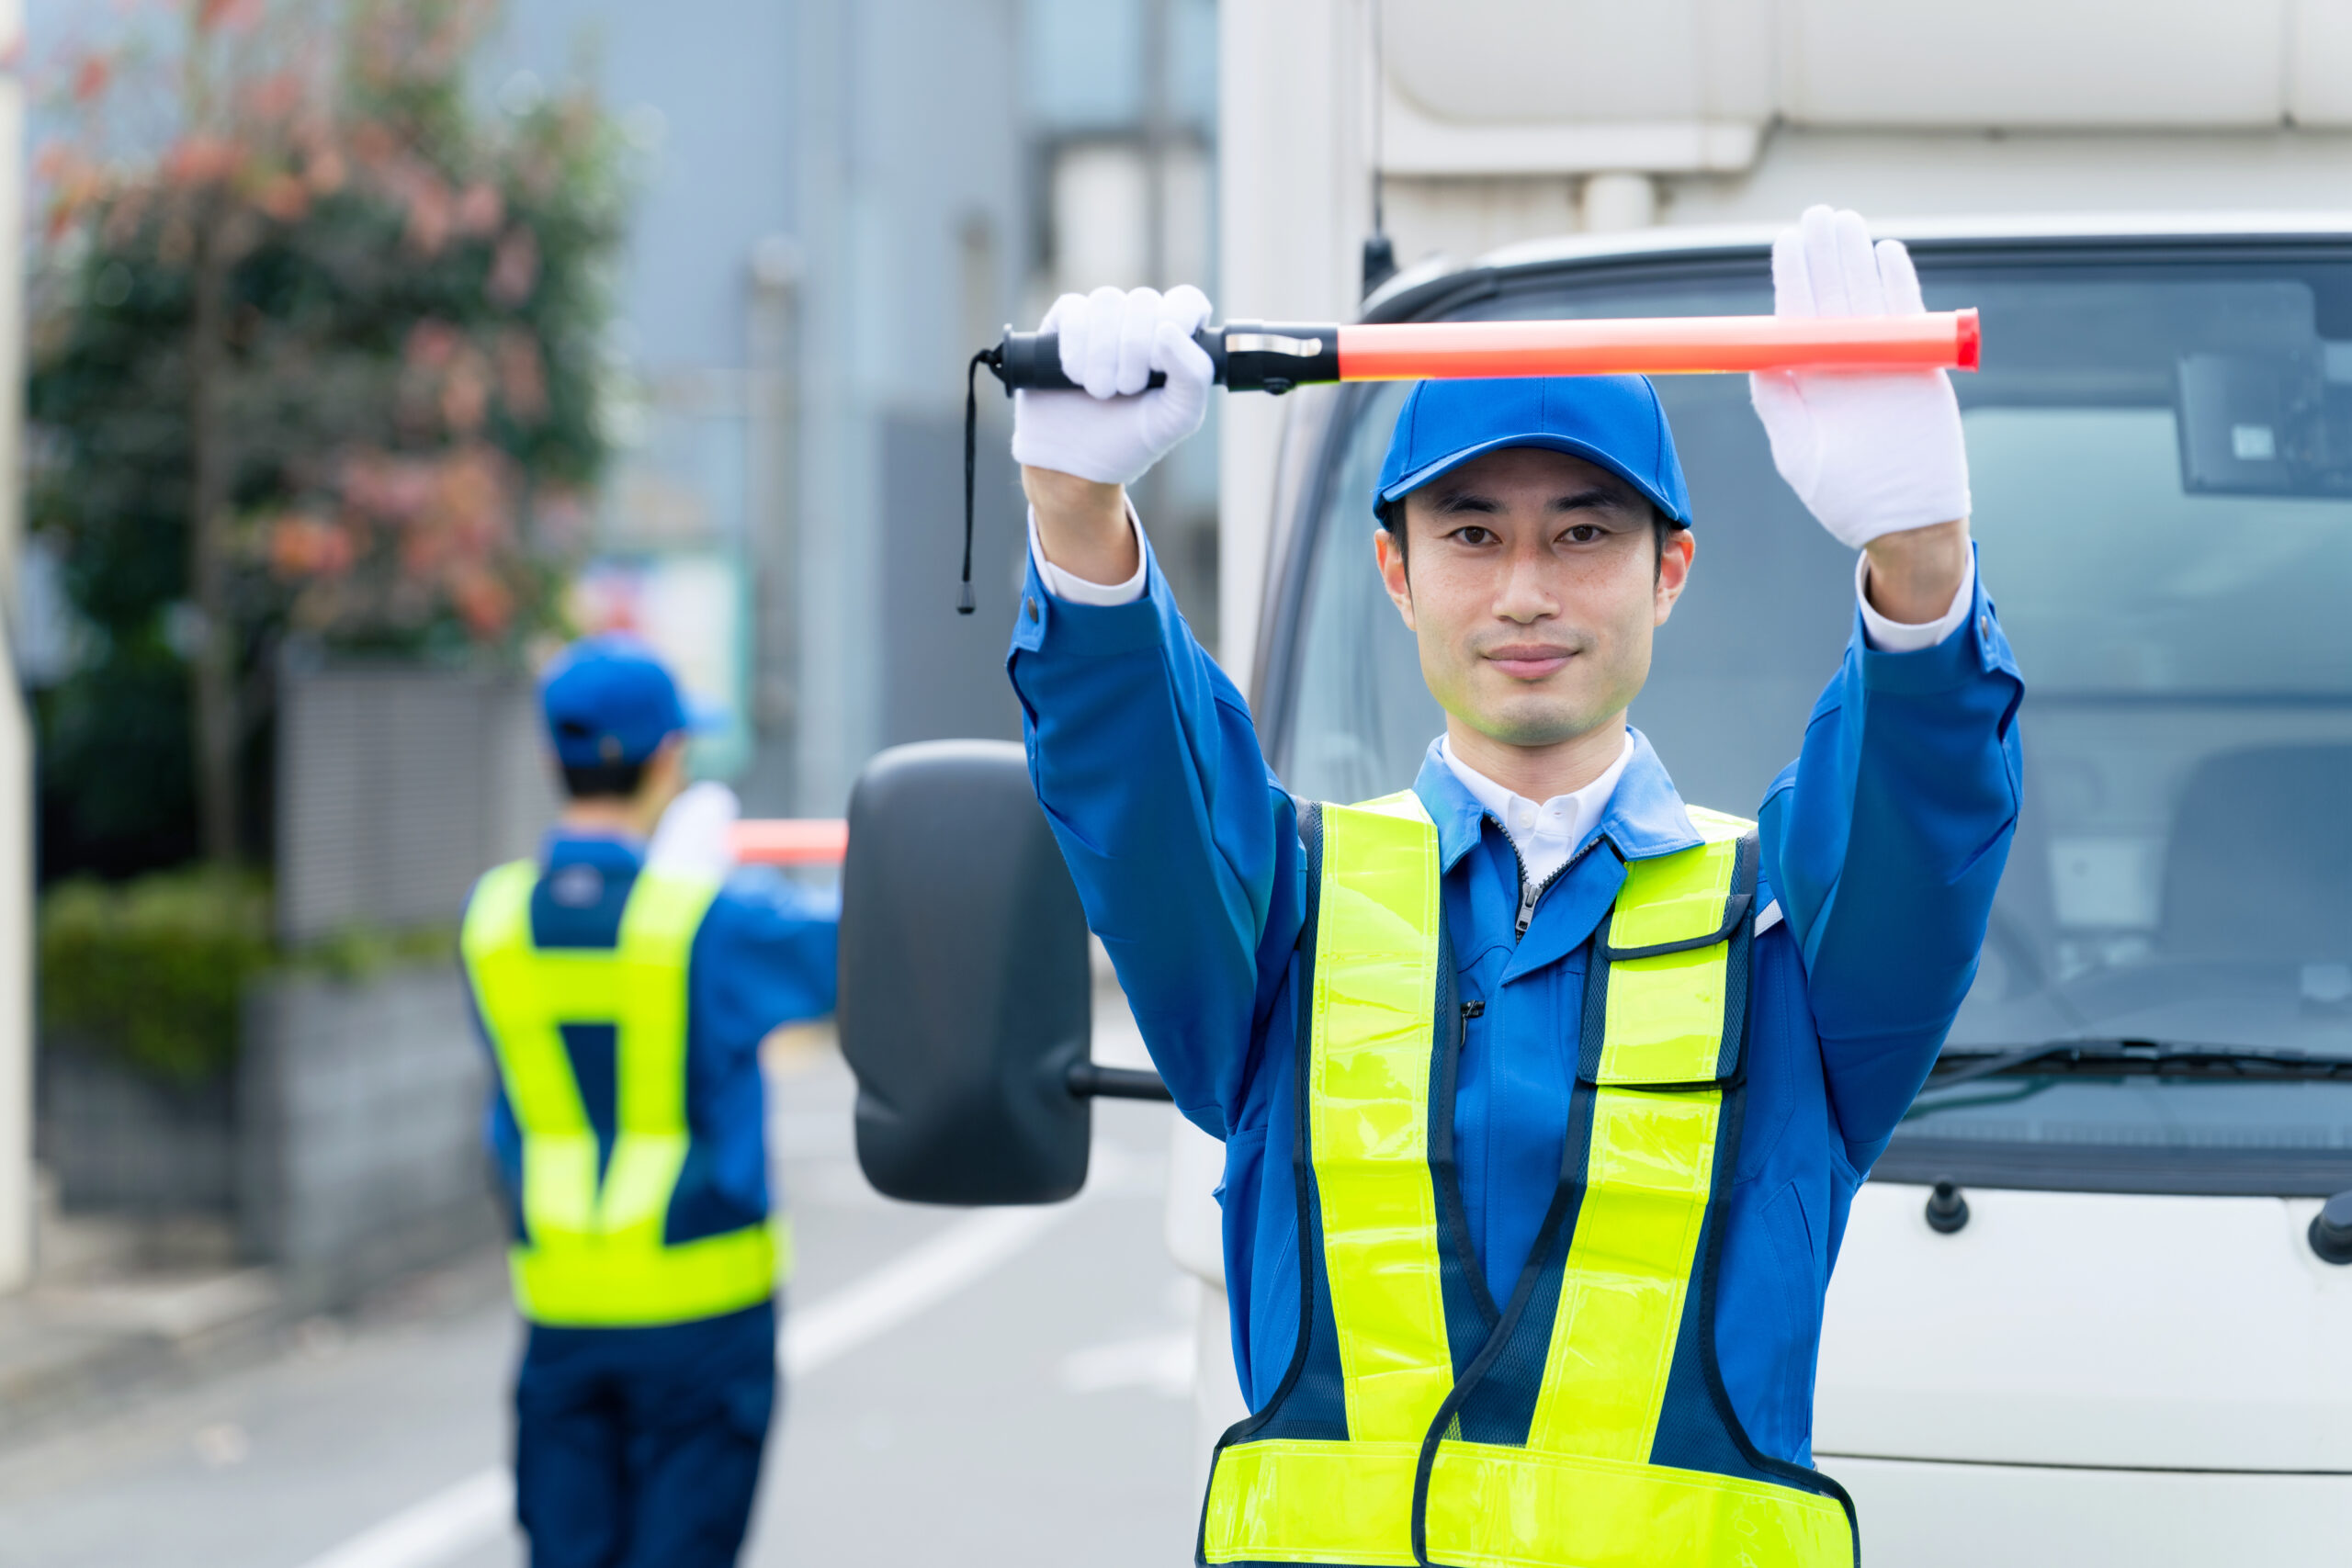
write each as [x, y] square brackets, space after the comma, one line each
[1877, 455]
[1077, 449]
[693, 835]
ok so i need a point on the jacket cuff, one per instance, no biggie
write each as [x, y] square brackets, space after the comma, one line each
[1974, 649]
[1089, 629]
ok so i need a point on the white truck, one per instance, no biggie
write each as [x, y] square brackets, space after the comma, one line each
[2090, 1308]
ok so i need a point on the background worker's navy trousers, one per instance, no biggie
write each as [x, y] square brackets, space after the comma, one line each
[640, 1448]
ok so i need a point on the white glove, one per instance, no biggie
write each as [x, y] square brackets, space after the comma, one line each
[694, 838]
[1114, 431]
[1869, 452]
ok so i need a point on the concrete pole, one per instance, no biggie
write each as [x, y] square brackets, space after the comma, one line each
[1294, 205]
[16, 730]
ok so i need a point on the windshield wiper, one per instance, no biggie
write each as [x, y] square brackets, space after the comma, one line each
[2154, 1058]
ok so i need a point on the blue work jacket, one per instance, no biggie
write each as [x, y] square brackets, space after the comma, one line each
[765, 956]
[1882, 845]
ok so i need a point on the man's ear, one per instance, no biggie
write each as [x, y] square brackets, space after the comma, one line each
[1675, 555]
[1393, 575]
[665, 770]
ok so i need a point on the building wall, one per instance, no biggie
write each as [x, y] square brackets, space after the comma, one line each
[396, 788]
[708, 85]
[912, 219]
[833, 205]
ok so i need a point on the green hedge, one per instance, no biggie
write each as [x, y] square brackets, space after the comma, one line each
[155, 967]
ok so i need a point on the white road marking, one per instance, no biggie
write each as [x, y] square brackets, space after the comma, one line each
[476, 1510]
[467, 1515]
[917, 1279]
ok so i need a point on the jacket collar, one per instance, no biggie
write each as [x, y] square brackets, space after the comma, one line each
[1644, 818]
[612, 852]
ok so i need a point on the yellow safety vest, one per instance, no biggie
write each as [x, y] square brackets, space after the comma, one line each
[592, 1254]
[1587, 1427]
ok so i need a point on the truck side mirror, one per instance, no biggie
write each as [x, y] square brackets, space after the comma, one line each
[965, 997]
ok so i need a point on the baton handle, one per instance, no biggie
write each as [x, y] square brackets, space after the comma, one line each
[1260, 356]
[1248, 357]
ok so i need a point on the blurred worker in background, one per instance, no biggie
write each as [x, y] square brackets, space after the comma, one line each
[1543, 1094]
[624, 982]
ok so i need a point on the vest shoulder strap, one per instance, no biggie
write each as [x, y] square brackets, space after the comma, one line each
[500, 907]
[1666, 992]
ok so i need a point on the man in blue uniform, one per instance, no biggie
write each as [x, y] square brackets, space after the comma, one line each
[1543, 1094]
[624, 994]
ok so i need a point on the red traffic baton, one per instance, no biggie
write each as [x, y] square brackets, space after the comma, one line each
[1271, 358]
[1668, 345]
[1264, 356]
[790, 840]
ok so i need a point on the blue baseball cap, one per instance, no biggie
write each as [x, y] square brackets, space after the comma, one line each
[610, 699]
[1614, 421]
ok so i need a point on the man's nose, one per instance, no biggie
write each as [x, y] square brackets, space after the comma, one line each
[1526, 593]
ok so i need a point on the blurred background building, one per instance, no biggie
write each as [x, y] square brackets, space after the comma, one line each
[840, 202]
[251, 1050]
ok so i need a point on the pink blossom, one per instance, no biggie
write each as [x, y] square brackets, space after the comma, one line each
[465, 395]
[326, 170]
[284, 197]
[522, 375]
[430, 211]
[479, 208]
[432, 343]
[515, 267]
[199, 160]
[304, 546]
[228, 15]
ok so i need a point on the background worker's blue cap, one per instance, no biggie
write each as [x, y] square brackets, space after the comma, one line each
[1614, 421]
[610, 699]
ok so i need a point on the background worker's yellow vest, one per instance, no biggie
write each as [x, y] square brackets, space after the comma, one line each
[1584, 1425]
[592, 1255]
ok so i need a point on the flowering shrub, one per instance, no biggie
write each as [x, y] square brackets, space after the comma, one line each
[315, 348]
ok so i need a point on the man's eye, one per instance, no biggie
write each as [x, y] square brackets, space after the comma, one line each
[1472, 534]
[1584, 533]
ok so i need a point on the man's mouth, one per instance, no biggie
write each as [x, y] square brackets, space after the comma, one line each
[1529, 661]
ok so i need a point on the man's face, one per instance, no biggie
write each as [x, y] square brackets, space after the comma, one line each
[1531, 585]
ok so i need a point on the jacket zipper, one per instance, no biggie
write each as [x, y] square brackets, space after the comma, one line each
[1527, 894]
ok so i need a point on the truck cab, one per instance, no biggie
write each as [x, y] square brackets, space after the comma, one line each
[2086, 1307]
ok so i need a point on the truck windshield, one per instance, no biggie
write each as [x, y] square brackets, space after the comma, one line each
[2160, 450]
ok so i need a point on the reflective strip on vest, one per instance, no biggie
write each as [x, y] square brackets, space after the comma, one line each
[1368, 1109]
[1583, 1491]
[595, 1255]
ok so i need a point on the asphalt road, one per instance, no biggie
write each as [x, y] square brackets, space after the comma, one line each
[1007, 1387]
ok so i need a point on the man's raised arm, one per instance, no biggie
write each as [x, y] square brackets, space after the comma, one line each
[1184, 848]
[1885, 842]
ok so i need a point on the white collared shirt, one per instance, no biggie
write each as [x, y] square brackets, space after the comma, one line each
[1545, 835]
